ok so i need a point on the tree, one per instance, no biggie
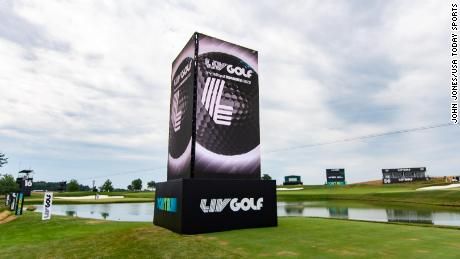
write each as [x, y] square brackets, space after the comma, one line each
[137, 184]
[266, 177]
[8, 184]
[151, 185]
[107, 186]
[73, 186]
[3, 159]
[84, 188]
[130, 187]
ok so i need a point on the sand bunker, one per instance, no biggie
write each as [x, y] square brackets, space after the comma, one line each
[289, 189]
[90, 197]
[442, 187]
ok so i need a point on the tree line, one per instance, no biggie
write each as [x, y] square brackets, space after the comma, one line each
[74, 186]
[8, 184]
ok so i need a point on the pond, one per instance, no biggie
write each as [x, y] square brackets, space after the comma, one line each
[372, 212]
[143, 212]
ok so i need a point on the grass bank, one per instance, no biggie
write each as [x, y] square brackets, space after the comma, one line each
[129, 197]
[69, 237]
[395, 193]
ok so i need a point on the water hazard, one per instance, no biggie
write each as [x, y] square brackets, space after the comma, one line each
[143, 212]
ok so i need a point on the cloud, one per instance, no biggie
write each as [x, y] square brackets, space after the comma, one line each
[17, 29]
[85, 85]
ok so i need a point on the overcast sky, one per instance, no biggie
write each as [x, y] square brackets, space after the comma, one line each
[84, 85]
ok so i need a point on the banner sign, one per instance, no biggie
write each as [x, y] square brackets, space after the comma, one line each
[402, 175]
[7, 199]
[47, 205]
[214, 111]
[20, 203]
[25, 185]
[335, 176]
[13, 201]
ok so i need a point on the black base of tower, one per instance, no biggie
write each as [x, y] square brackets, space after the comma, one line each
[179, 205]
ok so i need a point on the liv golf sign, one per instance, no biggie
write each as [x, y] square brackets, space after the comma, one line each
[47, 204]
[218, 205]
[214, 179]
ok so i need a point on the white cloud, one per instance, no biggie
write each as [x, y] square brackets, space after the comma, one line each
[88, 82]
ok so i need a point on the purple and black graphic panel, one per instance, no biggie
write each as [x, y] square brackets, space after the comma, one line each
[227, 111]
[181, 113]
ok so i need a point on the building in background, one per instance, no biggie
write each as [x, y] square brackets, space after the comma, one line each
[292, 180]
[62, 186]
[402, 175]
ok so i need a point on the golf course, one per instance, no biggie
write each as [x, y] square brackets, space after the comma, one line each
[73, 197]
[68, 237]
[310, 237]
[394, 193]
[229, 129]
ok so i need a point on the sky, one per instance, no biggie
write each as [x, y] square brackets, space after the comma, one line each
[84, 85]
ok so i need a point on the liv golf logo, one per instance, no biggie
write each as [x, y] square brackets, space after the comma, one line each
[176, 113]
[211, 98]
[218, 205]
[47, 204]
[214, 64]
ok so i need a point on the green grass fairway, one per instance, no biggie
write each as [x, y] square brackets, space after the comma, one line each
[66, 237]
[405, 193]
[392, 193]
[37, 198]
[126, 194]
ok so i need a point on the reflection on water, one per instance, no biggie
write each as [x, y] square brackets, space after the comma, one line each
[144, 212]
[104, 215]
[340, 213]
[294, 209]
[374, 213]
[140, 212]
[70, 213]
[410, 216]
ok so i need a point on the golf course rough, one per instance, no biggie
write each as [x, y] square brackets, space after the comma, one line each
[68, 237]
